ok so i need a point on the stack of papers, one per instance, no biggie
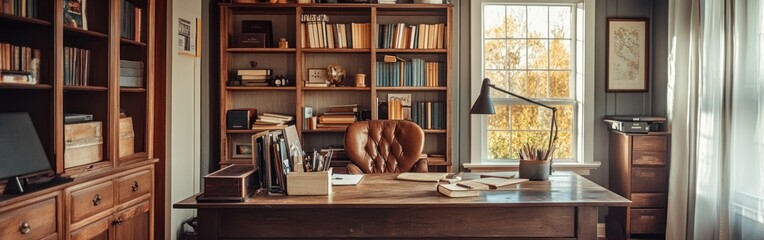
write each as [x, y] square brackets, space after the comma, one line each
[346, 179]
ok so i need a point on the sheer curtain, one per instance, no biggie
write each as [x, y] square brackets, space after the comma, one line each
[716, 114]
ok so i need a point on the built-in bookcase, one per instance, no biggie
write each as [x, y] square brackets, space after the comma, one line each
[51, 97]
[295, 60]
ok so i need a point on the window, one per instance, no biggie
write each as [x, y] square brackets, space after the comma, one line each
[535, 50]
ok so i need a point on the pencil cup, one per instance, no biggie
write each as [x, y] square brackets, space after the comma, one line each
[535, 170]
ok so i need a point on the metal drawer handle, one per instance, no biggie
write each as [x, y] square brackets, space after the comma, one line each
[25, 228]
[118, 221]
[97, 200]
[135, 186]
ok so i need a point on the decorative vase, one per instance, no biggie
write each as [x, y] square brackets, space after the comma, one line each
[535, 170]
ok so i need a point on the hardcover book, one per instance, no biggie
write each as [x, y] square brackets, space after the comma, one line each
[255, 34]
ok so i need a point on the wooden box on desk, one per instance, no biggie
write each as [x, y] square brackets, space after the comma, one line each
[83, 143]
[232, 182]
[309, 183]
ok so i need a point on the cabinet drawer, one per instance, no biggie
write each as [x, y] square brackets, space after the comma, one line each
[648, 221]
[650, 143]
[88, 201]
[649, 158]
[646, 179]
[33, 221]
[134, 185]
[95, 230]
[648, 200]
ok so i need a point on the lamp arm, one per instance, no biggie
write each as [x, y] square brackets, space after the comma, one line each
[521, 97]
[552, 127]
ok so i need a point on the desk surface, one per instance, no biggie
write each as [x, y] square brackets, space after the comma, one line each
[383, 190]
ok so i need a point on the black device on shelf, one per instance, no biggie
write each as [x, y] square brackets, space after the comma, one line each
[22, 155]
[240, 119]
[635, 124]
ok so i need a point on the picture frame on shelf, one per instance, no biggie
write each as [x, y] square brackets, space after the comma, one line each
[404, 97]
[75, 14]
[241, 150]
[627, 55]
[255, 34]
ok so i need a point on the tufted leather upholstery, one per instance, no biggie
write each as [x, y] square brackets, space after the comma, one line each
[385, 146]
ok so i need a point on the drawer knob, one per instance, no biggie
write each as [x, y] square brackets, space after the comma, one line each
[135, 186]
[97, 200]
[118, 221]
[25, 228]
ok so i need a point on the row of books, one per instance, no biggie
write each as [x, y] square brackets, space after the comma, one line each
[23, 8]
[19, 64]
[416, 36]
[414, 73]
[335, 35]
[76, 66]
[131, 73]
[428, 115]
[131, 21]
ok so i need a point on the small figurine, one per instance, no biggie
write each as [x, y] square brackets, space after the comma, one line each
[283, 43]
[360, 80]
[335, 75]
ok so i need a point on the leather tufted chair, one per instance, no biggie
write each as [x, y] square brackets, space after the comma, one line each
[385, 146]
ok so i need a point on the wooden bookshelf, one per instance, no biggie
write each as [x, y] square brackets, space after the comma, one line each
[51, 98]
[295, 61]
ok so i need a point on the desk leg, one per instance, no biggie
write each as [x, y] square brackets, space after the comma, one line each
[586, 227]
[208, 223]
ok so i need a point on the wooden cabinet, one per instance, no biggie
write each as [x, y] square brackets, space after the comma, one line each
[365, 57]
[119, 181]
[639, 171]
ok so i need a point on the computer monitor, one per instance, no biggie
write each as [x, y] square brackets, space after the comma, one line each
[21, 152]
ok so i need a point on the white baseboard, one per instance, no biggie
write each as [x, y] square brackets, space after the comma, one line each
[601, 230]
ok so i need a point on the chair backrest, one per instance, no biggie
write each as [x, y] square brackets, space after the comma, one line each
[380, 146]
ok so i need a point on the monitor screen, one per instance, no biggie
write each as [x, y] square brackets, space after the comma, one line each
[20, 148]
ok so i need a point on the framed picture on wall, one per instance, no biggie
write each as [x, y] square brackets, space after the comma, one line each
[627, 55]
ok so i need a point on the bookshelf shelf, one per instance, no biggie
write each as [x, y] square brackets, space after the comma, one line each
[132, 90]
[83, 32]
[131, 42]
[336, 88]
[24, 86]
[26, 20]
[412, 88]
[261, 50]
[85, 88]
[419, 51]
[260, 88]
[286, 22]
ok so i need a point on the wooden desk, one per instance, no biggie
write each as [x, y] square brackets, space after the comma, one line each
[380, 206]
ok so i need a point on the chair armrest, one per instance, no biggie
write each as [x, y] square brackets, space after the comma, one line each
[353, 169]
[421, 166]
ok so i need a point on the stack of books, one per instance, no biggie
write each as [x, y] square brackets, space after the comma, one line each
[130, 73]
[416, 36]
[338, 117]
[254, 77]
[131, 21]
[271, 119]
[76, 66]
[318, 33]
[19, 64]
[22, 8]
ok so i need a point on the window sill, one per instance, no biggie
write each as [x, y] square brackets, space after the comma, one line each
[579, 168]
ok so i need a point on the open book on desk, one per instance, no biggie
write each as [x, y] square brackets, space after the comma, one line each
[346, 179]
[471, 188]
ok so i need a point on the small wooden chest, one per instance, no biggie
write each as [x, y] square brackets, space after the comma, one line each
[126, 137]
[83, 143]
[230, 183]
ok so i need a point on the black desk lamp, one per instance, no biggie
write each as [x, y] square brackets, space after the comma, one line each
[484, 105]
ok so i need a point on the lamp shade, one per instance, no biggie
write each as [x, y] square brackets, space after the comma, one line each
[483, 104]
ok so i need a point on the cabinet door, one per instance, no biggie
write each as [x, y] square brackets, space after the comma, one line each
[133, 223]
[98, 230]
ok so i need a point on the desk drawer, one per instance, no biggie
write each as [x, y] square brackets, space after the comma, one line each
[648, 221]
[648, 158]
[647, 179]
[134, 185]
[90, 200]
[648, 200]
[650, 143]
[33, 221]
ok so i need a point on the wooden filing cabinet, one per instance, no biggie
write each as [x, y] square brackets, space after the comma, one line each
[639, 167]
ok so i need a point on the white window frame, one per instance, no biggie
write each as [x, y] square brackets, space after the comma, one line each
[584, 89]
